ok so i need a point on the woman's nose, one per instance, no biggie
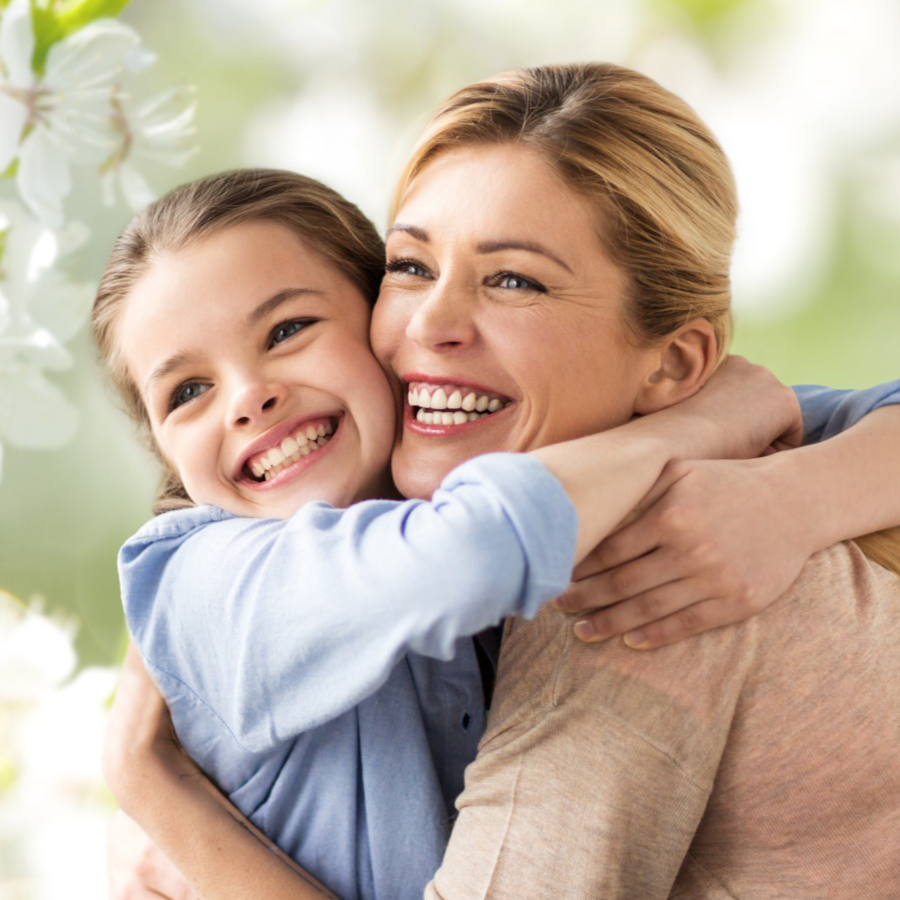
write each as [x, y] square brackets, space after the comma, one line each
[254, 401]
[444, 320]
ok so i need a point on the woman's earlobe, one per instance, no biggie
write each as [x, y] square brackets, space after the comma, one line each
[683, 364]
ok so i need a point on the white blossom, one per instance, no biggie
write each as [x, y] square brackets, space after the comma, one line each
[155, 131]
[39, 311]
[62, 116]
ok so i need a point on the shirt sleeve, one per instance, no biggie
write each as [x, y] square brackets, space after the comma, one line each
[827, 411]
[281, 625]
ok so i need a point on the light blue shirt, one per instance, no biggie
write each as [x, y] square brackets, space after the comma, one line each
[317, 667]
[314, 666]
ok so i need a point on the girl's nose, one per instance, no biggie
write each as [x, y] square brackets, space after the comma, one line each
[444, 320]
[254, 402]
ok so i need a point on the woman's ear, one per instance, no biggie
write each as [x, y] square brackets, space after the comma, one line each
[682, 365]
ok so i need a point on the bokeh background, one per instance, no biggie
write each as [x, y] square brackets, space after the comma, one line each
[804, 95]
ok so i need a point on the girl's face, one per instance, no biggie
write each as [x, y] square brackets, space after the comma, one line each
[251, 354]
[501, 313]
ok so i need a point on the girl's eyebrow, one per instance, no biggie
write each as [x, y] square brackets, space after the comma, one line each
[167, 366]
[267, 306]
[183, 358]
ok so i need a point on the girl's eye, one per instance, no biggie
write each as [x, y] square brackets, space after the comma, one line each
[406, 267]
[186, 392]
[284, 330]
[511, 282]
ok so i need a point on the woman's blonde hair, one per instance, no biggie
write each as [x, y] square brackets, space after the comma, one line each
[319, 216]
[662, 187]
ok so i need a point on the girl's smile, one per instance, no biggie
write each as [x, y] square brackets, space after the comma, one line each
[251, 354]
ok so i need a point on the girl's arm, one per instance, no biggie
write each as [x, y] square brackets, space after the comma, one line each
[222, 855]
[722, 541]
[605, 475]
[324, 604]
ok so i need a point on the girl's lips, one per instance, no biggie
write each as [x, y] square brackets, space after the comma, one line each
[276, 435]
[293, 468]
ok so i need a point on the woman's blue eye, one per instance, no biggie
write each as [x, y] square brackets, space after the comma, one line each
[285, 330]
[511, 282]
[184, 393]
[405, 267]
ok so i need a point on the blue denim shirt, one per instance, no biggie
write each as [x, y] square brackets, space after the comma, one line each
[317, 667]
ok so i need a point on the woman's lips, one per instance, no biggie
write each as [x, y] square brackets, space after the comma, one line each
[438, 407]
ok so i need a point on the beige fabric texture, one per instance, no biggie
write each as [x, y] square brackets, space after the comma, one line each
[757, 761]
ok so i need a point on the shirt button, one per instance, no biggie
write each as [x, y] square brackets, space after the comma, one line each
[465, 721]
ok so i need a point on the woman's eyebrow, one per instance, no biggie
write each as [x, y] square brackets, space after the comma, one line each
[267, 306]
[530, 246]
[420, 234]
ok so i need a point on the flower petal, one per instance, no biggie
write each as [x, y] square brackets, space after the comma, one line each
[34, 412]
[13, 117]
[17, 43]
[135, 189]
[43, 178]
[90, 57]
[59, 306]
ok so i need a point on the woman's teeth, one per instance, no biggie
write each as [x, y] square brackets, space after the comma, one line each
[450, 406]
[265, 466]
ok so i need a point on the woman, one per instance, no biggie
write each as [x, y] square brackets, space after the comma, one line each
[597, 150]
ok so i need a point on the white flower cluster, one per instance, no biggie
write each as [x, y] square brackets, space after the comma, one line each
[53, 805]
[69, 107]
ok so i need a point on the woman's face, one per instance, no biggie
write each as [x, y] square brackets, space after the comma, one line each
[501, 314]
[251, 353]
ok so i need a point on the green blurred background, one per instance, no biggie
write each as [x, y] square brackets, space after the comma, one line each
[804, 94]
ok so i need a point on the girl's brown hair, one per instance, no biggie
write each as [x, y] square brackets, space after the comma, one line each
[319, 216]
[663, 189]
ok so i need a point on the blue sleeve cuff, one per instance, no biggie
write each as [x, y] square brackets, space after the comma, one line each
[541, 513]
[827, 412]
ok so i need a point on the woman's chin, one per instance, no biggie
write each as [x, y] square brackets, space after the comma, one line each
[418, 475]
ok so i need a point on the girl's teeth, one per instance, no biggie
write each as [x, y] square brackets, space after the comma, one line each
[454, 401]
[291, 449]
[494, 405]
[481, 404]
[439, 399]
[468, 403]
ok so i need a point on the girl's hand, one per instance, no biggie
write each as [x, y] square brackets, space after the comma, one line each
[716, 545]
[750, 407]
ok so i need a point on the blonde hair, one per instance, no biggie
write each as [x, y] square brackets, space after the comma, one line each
[664, 192]
[662, 186]
[319, 216]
